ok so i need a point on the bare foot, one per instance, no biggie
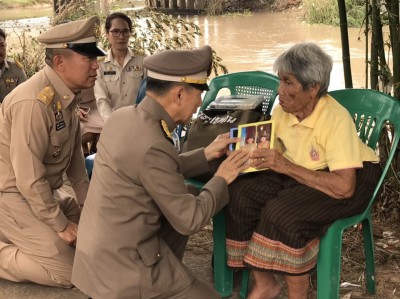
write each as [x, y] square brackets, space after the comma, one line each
[264, 292]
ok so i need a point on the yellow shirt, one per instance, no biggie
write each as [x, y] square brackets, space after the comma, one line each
[326, 138]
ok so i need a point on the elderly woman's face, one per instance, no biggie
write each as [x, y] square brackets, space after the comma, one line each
[293, 98]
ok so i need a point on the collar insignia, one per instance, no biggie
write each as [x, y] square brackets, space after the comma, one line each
[166, 131]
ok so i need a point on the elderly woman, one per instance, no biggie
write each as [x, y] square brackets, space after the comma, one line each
[319, 172]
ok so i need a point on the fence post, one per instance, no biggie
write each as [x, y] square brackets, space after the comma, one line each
[200, 4]
[182, 4]
[190, 4]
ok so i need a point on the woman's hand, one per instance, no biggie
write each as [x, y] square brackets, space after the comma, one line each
[219, 146]
[233, 165]
[339, 184]
[269, 158]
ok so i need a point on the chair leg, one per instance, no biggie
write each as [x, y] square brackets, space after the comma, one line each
[369, 254]
[223, 276]
[245, 283]
[328, 265]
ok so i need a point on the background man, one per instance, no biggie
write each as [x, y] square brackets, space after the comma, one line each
[40, 141]
[11, 73]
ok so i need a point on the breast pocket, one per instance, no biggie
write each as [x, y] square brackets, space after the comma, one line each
[58, 146]
[112, 83]
[135, 74]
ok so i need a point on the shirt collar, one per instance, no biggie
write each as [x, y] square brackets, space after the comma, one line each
[157, 111]
[61, 90]
[109, 58]
[312, 119]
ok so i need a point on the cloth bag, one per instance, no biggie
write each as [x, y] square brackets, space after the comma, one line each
[209, 124]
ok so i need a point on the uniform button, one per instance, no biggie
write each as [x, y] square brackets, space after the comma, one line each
[158, 255]
[125, 94]
[123, 83]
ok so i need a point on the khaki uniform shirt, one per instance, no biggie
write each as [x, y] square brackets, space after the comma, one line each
[138, 181]
[118, 86]
[40, 141]
[11, 74]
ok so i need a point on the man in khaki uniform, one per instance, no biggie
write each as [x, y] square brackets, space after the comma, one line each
[139, 212]
[40, 141]
[11, 73]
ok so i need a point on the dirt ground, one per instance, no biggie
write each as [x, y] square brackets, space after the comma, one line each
[198, 259]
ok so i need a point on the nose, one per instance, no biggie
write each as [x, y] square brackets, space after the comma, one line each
[280, 88]
[95, 64]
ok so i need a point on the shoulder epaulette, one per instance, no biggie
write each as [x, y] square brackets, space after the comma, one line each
[138, 52]
[18, 63]
[46, 95]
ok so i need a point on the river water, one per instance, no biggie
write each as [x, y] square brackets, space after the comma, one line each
[250, 42]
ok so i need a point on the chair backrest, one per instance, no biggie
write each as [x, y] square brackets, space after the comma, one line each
[245, 83]
[372, 111]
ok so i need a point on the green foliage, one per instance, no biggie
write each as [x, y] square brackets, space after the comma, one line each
[327, 12]
[152, 31]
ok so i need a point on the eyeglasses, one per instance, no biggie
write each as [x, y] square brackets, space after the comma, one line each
[117, 33]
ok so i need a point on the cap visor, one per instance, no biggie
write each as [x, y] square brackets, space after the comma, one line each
[90, 49]
[200, 86]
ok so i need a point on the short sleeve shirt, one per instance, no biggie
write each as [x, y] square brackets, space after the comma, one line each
[326, 138]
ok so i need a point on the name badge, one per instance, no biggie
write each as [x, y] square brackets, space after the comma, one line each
[109, 73]
[60, 125]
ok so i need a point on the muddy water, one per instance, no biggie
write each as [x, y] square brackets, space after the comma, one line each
[252, 42]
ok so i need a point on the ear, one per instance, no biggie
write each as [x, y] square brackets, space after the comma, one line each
[59, 62]
[314, 90]
[178, 94]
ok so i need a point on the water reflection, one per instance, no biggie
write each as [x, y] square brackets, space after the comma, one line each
[252, 42]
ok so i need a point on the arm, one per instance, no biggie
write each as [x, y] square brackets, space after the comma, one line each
[339, 184]
[76, 171]
[28, 146]
[102, 96]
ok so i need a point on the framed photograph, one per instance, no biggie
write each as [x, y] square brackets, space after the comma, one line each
[258, 135]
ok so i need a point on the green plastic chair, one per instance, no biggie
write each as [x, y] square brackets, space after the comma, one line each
[241, 83]
[371, 111]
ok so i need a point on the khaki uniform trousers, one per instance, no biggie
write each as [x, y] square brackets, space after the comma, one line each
[197, 289]
[30, 250]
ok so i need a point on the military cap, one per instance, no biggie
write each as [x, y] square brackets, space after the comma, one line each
[79, 36]
[186, 66]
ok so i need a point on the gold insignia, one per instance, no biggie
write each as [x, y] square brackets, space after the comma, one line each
[165, 128]
[101, 58]
[66, 97]
[194, 81]
[46, 95]
[138, 52]
[64, 46]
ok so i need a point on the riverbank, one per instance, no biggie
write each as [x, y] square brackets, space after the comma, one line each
[9, 4]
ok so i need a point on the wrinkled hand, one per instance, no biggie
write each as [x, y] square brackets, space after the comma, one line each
[219, 146]
[68, 235]
[234, 164]
[269, 158]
